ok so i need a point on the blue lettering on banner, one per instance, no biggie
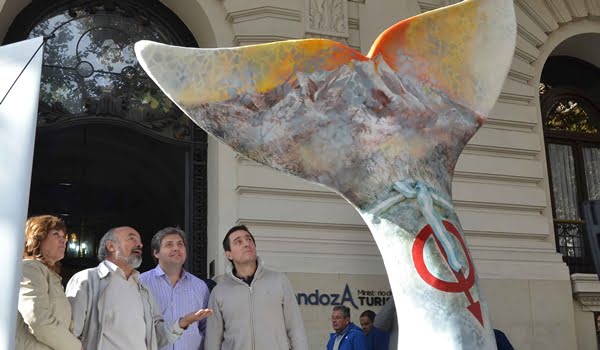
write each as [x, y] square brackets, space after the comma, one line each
[348, 297]
[366, 297]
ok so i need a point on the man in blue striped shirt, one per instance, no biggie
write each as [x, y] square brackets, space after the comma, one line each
[177, 291]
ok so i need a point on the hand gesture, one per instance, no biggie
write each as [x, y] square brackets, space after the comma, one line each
[192, 317]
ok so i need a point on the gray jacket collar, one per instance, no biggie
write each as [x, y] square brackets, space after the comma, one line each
[257, 273]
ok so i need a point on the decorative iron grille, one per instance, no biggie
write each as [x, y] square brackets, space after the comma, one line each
[572, 243]
[90, 70]
[91, 74]
[199, 203]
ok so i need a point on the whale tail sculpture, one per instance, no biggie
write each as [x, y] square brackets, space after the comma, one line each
[383, 130]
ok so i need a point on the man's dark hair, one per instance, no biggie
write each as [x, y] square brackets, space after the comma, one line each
[344, 309]
[226, 245]
[369, 313]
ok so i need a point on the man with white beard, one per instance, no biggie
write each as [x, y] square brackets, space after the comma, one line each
[111, 309]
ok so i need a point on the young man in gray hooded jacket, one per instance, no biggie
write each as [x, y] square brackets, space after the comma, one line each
[254, 307]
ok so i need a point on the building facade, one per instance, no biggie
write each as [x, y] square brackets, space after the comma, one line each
[517, 186]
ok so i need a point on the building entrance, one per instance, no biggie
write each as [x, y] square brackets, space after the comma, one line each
[100, 176]
[111, 148]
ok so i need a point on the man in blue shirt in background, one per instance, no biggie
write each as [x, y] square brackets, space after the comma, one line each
[376, 338]
[347, 335]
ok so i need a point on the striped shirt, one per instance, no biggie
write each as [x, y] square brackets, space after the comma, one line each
[188, 295]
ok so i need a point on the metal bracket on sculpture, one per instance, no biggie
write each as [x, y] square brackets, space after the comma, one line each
[410, 189]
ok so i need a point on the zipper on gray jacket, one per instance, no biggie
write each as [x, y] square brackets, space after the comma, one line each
[252, 319]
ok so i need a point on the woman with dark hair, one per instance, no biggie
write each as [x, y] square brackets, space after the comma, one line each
[44, 313]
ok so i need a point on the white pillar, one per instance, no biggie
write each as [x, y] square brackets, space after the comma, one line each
[20, 62]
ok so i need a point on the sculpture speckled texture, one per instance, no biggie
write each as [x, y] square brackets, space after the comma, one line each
[383, 130]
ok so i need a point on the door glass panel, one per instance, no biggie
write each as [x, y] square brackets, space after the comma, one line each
[90, 69]
[591, 161]
[564, 184]
[567, 225]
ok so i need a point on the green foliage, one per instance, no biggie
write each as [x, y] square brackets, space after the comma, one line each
[570, 113]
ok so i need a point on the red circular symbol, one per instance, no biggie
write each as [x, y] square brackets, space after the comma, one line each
[462, 285]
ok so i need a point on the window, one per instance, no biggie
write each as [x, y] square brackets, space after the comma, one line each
[90, 70]
[571, 123]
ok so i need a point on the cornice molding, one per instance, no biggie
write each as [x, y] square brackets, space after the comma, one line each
[510, 125]
[524, 55]
[522, 208]
[577, 8]
[501, 151]
[514, 98]
[242, 40]
[305, 225]
[594, 7]
[286, 192]
[586, 289]
[507, 235]
[427, 6]
[559, 11]
[253, 14]
[340, 39]
[495, 178]
[530, 36]
[540, 15]
[319, 241]
[245, 161]
[519, 76]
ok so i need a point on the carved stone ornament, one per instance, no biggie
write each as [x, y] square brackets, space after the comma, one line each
[327, 17]
[586, 290]
[589, 301]
[339, 39]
